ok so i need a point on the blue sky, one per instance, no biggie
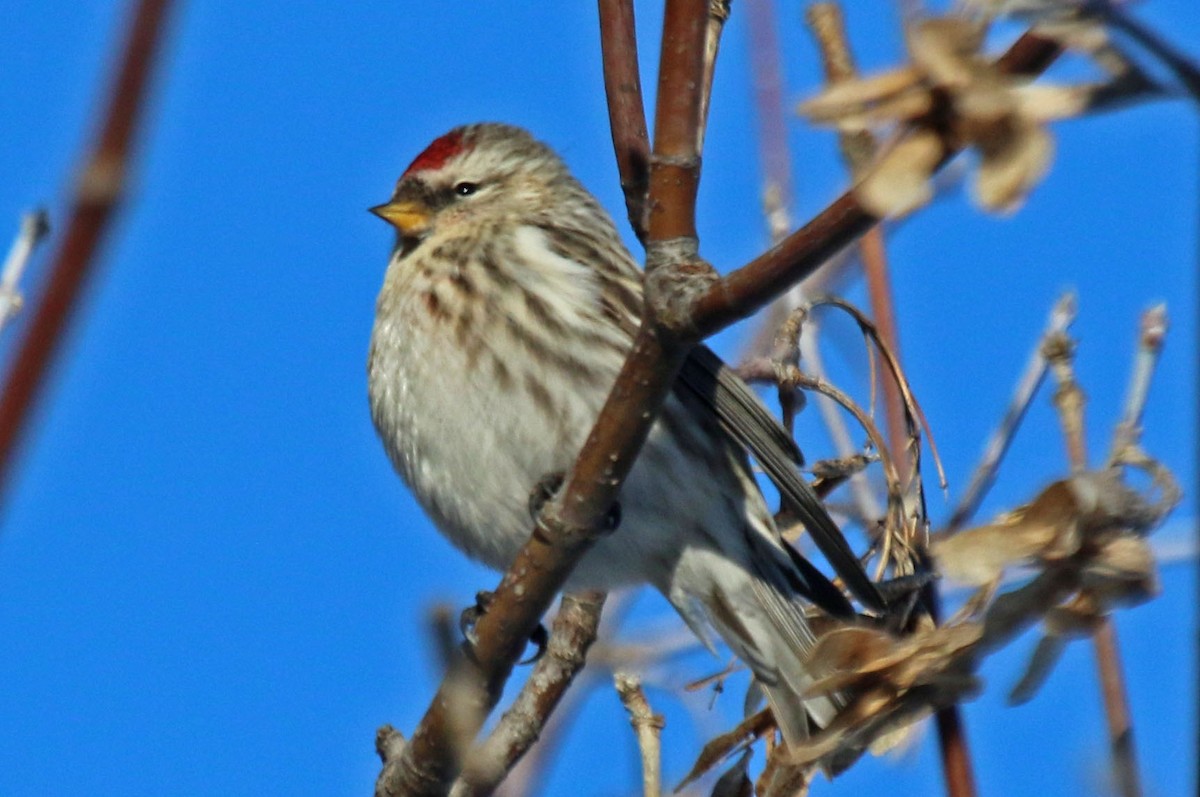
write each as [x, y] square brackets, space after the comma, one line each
[210, 580]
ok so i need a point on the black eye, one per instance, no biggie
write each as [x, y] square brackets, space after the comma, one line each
[466, 189]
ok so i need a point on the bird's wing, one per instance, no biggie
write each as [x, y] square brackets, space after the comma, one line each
[744, 417]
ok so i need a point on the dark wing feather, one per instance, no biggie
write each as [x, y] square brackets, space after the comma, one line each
[747, 420]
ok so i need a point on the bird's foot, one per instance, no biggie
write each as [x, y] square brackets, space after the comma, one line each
[470, 616]
[543, 491]
[901, 595]
[549, 485]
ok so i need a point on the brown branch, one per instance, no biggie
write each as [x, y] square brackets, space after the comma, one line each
[626, 110]
[648, 727]
[1116, 709]
[718, 14]
[750, 287]
[572, 633]
[1061, 317]
[675, 162]
[35, 226]
[879, 292]
[98, 192]
[858, 148]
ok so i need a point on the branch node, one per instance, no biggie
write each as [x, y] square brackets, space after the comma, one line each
[389, 743]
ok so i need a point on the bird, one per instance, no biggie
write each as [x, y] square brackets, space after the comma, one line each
[507, 308]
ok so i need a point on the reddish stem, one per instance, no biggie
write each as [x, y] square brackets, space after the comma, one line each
[98, 192]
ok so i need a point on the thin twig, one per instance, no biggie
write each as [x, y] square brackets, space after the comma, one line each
[571, 634]
[835, 423]
[858, 149]
[879, 292]
[626, 110]
[842, 223]
[1116, 709]
[1150, 342]
[913, 418]
[648, 727]
[718, 13]
[997, 445]
[776, 171]
[1069, 399]
[1179, 64]
[98, 192]
[35, 225]
[528, 774]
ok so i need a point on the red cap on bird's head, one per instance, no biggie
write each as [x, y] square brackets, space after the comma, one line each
[436, 154]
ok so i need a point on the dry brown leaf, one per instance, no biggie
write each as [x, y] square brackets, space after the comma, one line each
[850, 96]
[1011, 166]
[735, 782]
[1041, 664]
[946, 48]
[1122, 571]
[722, 746]
[1046, 528]
[997, 114]
[1049, 103]
[783, 779]
[898, 183]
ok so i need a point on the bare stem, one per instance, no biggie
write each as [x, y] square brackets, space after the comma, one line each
[678, 119]
[1116, 709]
[843, 222]
[718, 13]
[1069, 399]
[648, 727]
[1035, 371]
[572, 633]
[626, 110]
[1150, 342]
[98, 192]
[769, 107]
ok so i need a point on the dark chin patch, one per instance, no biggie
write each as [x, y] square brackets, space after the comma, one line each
[437, 153]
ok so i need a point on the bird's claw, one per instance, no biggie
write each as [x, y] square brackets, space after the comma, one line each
[470, 615]
[902, 594]
[483, 601]
[549, 485]
[543, 491]
[612, 518]
[539, 639]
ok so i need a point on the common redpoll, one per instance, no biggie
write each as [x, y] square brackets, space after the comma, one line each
[507, 309]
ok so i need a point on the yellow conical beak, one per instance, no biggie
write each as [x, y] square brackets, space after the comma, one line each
[410, 218]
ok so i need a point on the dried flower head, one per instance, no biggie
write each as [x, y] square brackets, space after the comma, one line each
[951, 96]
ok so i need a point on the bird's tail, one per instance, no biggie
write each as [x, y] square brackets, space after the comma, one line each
[755, 605]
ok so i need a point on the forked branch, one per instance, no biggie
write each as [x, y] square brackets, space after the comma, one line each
[685, 301]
